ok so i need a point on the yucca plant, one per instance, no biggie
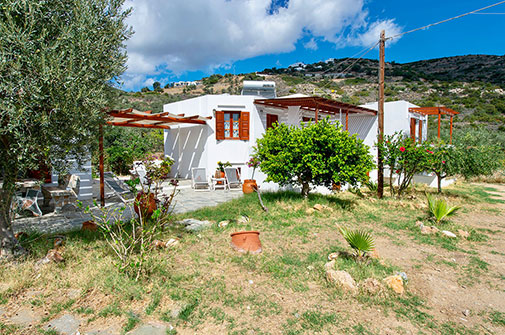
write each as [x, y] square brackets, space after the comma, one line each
[439, 209]
[361, 241]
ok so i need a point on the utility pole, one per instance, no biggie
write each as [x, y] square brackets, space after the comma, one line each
[380, 163]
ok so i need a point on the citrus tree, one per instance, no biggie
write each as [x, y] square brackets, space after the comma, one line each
[57, 61]
[443, 160]
[315, 154]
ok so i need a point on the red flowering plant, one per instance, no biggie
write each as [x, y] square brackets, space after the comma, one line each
[404, 158]
[442, 160]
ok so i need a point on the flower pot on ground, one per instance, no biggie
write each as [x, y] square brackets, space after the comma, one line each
[246, 241]
[249, 186]
[146, 202]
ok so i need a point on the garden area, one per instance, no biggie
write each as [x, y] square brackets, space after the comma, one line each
[200, 285]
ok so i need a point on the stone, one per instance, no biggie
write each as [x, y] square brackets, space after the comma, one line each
[404, 276]
[463, 233]
[371, 286]
[2, 311]
[342, 279]
[73, 293]
[318, 207]
[466, 312]
[310, 211]
[395, 283]
[172, 242]
[223, 223]
[66, 324]
[194, 225]
[25, 317]
[448, 234]
[150, 329]
[332, 256]
[429, 230]
[419, 224]
[330, 265]
[243, 219]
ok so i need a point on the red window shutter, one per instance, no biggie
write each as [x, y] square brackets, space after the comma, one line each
[244, 126]
[219, 125]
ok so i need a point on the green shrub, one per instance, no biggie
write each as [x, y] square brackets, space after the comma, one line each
[361, 241]
[439, 209]
[317, 153]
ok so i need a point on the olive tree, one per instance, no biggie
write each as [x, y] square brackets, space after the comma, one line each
[315, 154]
[58, 59]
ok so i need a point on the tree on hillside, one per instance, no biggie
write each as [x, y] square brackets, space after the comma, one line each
[157, 87]
[57, 61]
[315, 154]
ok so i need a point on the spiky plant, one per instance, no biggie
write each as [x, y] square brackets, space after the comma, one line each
[439, 209]
[361, 241]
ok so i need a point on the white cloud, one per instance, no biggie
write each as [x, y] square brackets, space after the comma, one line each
[178, 36]
[312, 44]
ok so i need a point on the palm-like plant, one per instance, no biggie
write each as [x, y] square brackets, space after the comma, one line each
[439, 208]
[360, 240]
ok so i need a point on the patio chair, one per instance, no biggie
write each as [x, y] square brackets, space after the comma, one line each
[118, 188]
[232, 179]
[28, 201]
[199, 179]
[65, 193]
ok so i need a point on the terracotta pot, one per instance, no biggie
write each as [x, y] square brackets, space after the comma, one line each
[246, 241]
[219, 174]
[249, 186]
[147, 204]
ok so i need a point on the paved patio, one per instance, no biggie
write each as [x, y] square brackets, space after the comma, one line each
[70, 219]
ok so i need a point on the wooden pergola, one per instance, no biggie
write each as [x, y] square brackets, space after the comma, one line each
[317, 105]
[137, 119]
[436, 111]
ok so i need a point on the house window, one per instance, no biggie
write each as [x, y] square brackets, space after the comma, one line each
[271, 120]
[232, 125]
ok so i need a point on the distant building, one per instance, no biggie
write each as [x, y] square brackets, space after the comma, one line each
[185, 83]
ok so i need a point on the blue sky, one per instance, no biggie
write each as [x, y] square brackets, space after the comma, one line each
[189, 40]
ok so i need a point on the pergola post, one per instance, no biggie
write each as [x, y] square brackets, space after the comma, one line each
[317, 114]
[100, 149]
[450, 141]
[420, 131]
[439, 117]
[346, 120]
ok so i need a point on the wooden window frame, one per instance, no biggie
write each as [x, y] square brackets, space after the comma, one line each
[231, 113]
[243, 125]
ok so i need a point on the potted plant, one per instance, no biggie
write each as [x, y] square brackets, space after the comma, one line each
[220, 169]
[250, 185]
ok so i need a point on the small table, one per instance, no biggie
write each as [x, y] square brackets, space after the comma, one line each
[215, 182]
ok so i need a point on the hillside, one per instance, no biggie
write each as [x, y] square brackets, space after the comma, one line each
[473, 85]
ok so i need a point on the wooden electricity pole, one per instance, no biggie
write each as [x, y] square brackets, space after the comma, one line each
[380, 163]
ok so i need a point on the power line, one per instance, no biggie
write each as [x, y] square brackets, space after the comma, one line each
[488, 13]
[447, 20]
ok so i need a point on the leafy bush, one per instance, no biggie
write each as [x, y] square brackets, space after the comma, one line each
[443, 160]
[361, 241]
[318, 154]
[439, 209]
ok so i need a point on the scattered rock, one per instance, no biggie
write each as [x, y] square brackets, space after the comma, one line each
[150, 329]
[342, 279]
[395, 283]
[463, 233]
[466, 312]
[330, 265]
[59, 242]
[89, 225]
[318, 207]
[419, 224]
[448, 233]
[73, 293]
[158, 244]
[2, 311]
[375, 254]
[65, 325]
[332, 256]
[194, 225]
[310, 211]
[107, 331]
[404, 276]
[244, 219]
[25, 317]
[371, 286]
[429, 230]
[53, 255]
[170, 243]
[223, 223]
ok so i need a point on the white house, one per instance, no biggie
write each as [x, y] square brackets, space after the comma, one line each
[238, 120]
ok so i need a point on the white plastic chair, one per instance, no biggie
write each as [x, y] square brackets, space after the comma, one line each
[199, 179]
[233, 179]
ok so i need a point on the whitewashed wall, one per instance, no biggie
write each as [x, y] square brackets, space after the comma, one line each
[84, 173]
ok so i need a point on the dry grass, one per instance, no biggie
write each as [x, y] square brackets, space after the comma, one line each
[204, 287]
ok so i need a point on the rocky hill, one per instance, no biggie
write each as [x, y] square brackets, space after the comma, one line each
[473, 85]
